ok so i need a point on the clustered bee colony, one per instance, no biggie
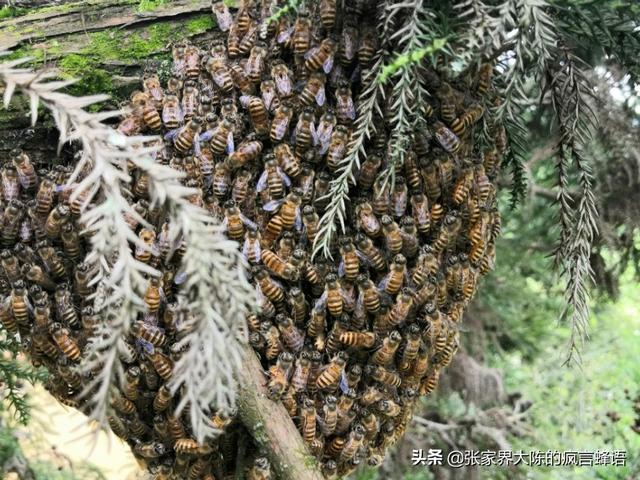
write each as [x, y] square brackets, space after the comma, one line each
[259, 124]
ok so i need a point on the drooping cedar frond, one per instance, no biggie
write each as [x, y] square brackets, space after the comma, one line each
[345, 174]
[408, 96]
[571, 96]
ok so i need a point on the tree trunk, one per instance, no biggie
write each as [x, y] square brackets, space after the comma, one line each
[271, 427]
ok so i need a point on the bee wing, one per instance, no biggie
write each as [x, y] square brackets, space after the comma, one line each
[196, 145]
[285, 35]
[344, 384]
[206, 136]
[310, 52]
[351, 109]
[180, 277]
[360, 309]
[230, 145]
[284, 177]
[314, 134]
[267, 98]
[298, 220]
[171, 134]
[283, 83]
[272, 205]
[262, 182]
[244, 100]
[320, 96]
[348, 299]
[328, 64]
[321, 303]
[341, 269]
[384, 282]
[248, 222]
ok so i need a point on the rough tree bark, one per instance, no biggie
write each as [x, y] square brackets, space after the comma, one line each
[54, 33]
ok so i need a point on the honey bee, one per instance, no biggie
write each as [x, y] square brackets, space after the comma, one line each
[448, 140]
[399, 197]
[369, 171]
[52, 260]
[280, 123]
[485, 72]
[283, 78]
[409, 234]
[316, 326]
[273, 178]
[19, 303]
[269, 287]
[251, 248]
[65, 342]
[321, 56]
[336, 148]
[350, 264]
[329, 378]
[152, 87]
[171, 112]
[44, 197]
[353, 444]
[58, 217]
[248, 40]
[308, 420]
[460, 124]
[328, 13]
[149, 449]
[279, 375]
[393, 281]
[221, 74]
[321, 188]
[314, 90]
[150, 333]
[288, 209]
[348, 42]
[333, 295]
[368, 46]
[223, 15]
[305, 130]
[24, 169]
[392, 235]
[162, 364]
[147, 247]
[260, 470]
[345, 108]
[185, 137]
[369, 295]
[131, 383]
[383, 376]
[301, 33]
[255, 62]
[7, 318]
[153, 295]
[429, 383]
[310, 221]
[162, 399]
[358, 339]
[372, 255]
[222, 138]
[235, 221]
[381, 197]
[447, 233]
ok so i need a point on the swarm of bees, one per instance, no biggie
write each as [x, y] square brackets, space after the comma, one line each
[259, 123]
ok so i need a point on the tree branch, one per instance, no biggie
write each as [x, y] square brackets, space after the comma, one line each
[270, 425]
